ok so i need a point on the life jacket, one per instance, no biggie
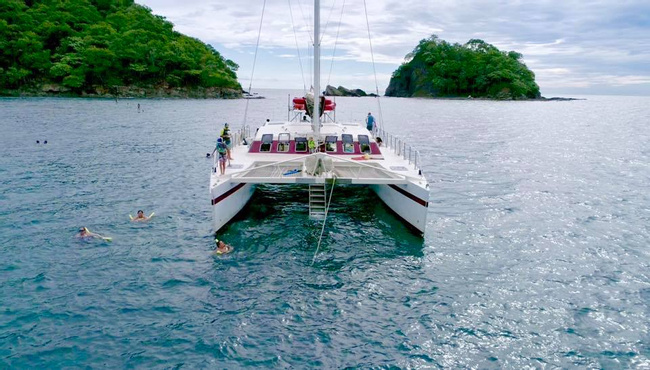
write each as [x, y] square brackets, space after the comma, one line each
[221, 148]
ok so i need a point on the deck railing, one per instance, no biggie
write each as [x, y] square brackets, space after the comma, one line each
[399, 147]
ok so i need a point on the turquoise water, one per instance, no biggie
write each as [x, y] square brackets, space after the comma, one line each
[536, 252]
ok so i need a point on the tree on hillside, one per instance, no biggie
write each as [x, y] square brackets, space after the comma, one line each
[438, 68]
[85, 43]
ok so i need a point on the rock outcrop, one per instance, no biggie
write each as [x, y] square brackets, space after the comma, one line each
[342, 91]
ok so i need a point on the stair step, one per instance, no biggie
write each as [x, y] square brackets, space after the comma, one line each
[317, 200]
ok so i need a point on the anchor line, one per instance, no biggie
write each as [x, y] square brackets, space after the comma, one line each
[320, 238]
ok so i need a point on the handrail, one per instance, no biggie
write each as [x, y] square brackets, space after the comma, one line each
[400, 147]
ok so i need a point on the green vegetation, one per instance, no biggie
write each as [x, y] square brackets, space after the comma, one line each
[436, 68]
[102, 47]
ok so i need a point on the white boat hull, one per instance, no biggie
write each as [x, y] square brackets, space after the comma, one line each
[228, 198]
[409, 201]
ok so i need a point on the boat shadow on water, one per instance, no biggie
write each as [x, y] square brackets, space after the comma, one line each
[358, 226]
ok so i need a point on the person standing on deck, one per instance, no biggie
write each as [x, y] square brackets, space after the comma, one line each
[225, 134]
[222, 151]
[370, 123]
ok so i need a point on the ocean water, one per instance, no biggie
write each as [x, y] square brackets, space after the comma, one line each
[536, 253]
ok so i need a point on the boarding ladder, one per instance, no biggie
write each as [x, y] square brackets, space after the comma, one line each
[317, 200]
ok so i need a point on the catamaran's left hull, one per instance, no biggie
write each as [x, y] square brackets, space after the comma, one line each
[228, 198]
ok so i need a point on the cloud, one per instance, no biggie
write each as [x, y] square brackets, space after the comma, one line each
[605, 41]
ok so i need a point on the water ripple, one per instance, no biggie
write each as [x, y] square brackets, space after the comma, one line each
[535, 254]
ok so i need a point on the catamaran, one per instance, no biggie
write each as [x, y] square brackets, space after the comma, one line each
[313, 149]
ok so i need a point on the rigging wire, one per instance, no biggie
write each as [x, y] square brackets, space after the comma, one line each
[307, 23]
[295, 36]
[372, 55]
[329, 16]
[257, 46]
[310, 33]
[320, 238]
[336, 41]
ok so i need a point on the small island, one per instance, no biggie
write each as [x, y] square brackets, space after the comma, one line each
[476, 69]
[104, 48]
[342, 91]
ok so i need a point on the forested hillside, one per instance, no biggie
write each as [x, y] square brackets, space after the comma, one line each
[104, 47]
[437, 68]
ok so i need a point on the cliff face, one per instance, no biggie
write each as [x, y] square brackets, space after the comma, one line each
[86, 47]
[436, 68]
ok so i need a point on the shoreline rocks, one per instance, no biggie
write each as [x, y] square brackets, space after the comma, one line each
[112, 92]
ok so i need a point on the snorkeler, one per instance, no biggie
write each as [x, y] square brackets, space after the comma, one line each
[141, 217]
[222, 248]
[84, 233]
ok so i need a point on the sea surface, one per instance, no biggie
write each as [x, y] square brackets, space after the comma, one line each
[536, 252]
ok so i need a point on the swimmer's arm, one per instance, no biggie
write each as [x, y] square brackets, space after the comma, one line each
[97, 236]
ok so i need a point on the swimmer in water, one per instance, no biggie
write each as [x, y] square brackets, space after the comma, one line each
[141, 216]
[222, 248]
[84, 233]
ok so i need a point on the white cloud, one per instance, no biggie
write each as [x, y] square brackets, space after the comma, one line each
[568, 42]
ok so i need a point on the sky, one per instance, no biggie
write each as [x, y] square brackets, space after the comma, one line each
[573, 47]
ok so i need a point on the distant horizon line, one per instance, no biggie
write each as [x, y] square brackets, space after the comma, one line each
[551, 95]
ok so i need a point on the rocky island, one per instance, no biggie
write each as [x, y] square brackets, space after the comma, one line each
[476, 69]
[342, 91]
[105, 48]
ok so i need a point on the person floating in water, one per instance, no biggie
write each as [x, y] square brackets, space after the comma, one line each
[222, 248]
[370, 122]
[84, 233]
[141, 217]
[222, 150]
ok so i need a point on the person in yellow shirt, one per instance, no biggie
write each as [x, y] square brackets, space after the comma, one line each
[225, 135]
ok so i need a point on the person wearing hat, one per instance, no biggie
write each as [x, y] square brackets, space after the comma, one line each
[222, 248]
[222, 149]
[225, 134]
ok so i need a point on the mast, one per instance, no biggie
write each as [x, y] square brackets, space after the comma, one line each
[315, 125]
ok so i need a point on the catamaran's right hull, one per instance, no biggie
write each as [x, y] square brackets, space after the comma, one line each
[409, 201]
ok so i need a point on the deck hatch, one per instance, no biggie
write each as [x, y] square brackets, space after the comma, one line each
[348, 143]
[330, 143]
[301, 144]
[283, 142]
[364, 143]
[267, 140]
